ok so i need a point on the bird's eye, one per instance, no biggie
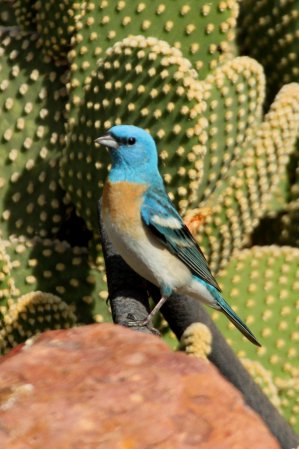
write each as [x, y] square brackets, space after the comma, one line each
[131, 140]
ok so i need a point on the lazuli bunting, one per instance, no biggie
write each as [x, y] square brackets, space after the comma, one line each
[147, 231]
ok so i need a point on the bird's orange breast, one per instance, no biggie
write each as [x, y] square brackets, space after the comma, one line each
[121, 204]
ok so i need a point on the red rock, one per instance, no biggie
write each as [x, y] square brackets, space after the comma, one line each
[107, 387]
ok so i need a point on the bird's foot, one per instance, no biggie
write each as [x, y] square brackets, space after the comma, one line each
[132, 322]
[136, 323]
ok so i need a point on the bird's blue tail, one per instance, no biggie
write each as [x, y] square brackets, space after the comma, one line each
[233, 317]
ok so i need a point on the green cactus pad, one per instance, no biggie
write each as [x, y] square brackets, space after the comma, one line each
[55, 267]
[290, 217]
[31, 314]
[32, 102]
[25, 13]
[294, 175]
[290, 225]
[7, 14]
[264, 378]
[202, 30]
[261, 284]
[193, 162]
[280, 225]
[7, 288]
[234, 94]
[170, 105]
[237, 207]
[289, 393]
[56, 25]
[269, 32]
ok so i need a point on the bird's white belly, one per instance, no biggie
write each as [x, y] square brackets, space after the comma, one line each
[139, 247]
[150, 259]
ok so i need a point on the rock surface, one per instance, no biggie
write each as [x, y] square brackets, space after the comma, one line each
[107, 387]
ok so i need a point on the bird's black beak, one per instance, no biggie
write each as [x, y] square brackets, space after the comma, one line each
[108, 141]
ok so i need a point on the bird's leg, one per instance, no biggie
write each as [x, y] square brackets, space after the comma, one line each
[155, 310]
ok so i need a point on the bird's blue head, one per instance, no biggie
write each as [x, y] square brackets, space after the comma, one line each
[133, 152]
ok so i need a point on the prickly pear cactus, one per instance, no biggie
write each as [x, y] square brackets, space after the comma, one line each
[262, 285]
[236, 208]
[55, 267]
[7, 287]
[207, 125]
[25, 14]
[7, 14]
[182, 125]
[56, 23]
[31, 314]
[269, 32]
[264, 379]
[202, 30]
[32, 103]
[289, 217]
[153, 60]
[289, 225]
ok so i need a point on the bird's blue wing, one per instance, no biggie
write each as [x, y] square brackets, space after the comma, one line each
[161, 218]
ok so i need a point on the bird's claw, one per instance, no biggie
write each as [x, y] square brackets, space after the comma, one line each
[132, 322]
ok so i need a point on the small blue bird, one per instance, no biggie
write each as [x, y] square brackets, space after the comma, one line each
[147, 231]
